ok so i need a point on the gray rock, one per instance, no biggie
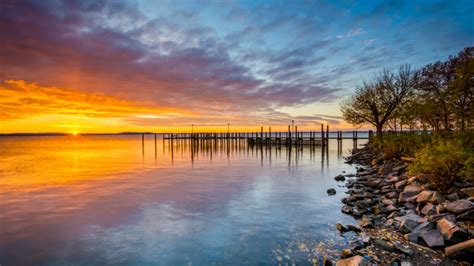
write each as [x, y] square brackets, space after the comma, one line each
[459, 206]
[450, 217]
[408, 193]
[407, 226]
[412, 237]
[467, 216]
[331, 191]
[430, 197]
[346, 209]
[432, 238]
[452, 197]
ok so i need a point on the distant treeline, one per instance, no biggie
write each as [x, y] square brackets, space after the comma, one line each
[437, 97]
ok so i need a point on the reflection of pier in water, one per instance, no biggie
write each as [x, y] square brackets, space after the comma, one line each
[210, 148]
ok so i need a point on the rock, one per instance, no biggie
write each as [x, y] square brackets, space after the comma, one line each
[461, 251]
[385, 245]
[409, 205]
[469, 191]
[400, 184]
[366, 223]
[409, 191]
[340, 178]
[407, 226]
[459, 206]
[390, 208]
[412, 237]
[331, 191]
[430, 197]
[469, 216]
[424, 227]
[354, 228]
[327, 262]
[429, 209]
[450, 217]
[352, 261]
[346, 209]
[452, 197]
[346, 253]
[357, 244]
[451, 232]
[374, 182]
[440, 208]
[432, 238]
[341, 228]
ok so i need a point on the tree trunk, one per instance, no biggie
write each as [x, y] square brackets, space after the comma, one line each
[379, 132]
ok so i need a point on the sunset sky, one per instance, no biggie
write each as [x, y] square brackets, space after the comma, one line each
[114, 66]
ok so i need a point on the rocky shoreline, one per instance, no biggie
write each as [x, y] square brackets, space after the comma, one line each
[403, 218]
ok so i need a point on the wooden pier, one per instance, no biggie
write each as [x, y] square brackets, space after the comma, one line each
[287, 138]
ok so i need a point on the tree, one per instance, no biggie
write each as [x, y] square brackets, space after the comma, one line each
[444, 90]
[376, 102]
[461, 90]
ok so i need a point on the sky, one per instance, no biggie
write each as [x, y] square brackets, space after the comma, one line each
[160, 66]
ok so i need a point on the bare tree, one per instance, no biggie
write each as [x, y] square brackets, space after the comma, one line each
[376, 102]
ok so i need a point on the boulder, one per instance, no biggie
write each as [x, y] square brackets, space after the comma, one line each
[366, 223]
[412, 188]
[451, 232]
[432, 238]
[341, 228]
[400, 184]
[452, 197]
[346, 253]
[412, 237]
[429, 209]
[346, 209]
[469, 216]
[459, 206]
[354, 228]
[450, 217]
[331, 191]
[461, 251]
[469, 191]
[385, 245]
[407, 226]
[407, 196]
[352, 261]
[430, 197]
[340, 178]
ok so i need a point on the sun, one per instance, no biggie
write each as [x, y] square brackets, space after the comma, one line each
[75, 133]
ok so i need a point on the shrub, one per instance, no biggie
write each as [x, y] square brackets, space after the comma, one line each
[397, 145]
[442, 162]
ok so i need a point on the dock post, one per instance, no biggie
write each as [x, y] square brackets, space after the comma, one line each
[289, 136]
[327, 134]
[296, 136]
[322, 135]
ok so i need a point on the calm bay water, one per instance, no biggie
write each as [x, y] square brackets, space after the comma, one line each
[97, 200]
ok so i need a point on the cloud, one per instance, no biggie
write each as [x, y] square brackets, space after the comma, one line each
[209, 58]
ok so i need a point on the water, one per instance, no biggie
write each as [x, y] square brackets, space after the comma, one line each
[97, 200]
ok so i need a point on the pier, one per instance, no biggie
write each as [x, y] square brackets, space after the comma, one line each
[268, 137]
